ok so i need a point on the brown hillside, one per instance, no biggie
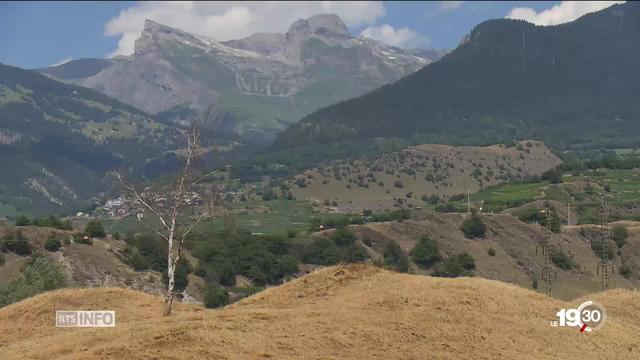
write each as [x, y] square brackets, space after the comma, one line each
[98, 264]
[429, 169]
[346, 312]
[514, 242]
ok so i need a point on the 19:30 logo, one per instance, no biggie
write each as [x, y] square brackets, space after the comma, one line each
[588, 317]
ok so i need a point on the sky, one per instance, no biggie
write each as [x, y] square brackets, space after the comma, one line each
[41, 34]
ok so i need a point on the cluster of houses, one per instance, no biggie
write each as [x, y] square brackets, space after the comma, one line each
[123, 207]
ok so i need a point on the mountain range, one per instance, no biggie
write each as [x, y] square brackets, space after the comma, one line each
[257, 86]
[573, 85]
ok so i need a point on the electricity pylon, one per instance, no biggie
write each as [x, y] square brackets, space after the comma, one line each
[547, 274]
[605, 267]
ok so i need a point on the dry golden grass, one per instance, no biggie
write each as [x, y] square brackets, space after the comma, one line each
[352, 312]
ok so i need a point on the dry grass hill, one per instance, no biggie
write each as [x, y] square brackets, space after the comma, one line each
[343, 312]
[441, 170]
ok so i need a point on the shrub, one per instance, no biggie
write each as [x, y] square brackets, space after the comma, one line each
[554, 176]
[620, 235]
[458, 265]
[599, 250]
[22, 220]
[135, 260]
[21, 245]
[215, 297]
[535, 284]
[38, 275]
[53, 242]
[398, 184]
[536, 215]
[473, 227]
[94, 229]
[625, 271]
[491, 252]
[116, 236]
[342, 236]
[425, 254]
[562, 260]
[395, 258]
[1, 259]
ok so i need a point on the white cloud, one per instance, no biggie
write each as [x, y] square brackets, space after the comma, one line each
[564, 12]
[63, 61]
[228, 20]
[450, 5]
[401, 37]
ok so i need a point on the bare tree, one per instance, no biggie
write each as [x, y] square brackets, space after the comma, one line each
[175, 210]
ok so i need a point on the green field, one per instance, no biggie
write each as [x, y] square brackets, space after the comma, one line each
[256, 216]
[583, 190]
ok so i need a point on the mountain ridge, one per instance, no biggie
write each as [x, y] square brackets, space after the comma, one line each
[261, 83]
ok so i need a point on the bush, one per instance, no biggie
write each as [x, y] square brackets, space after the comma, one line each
[79, 238]
[94, 229]
[22, 220]
[491, 252]
[39, 275]
[53, 242]
[599, 250]
[620, 235]
[342, 236]
[53, 222]
[398, 184]
[215, 297]
[554, 176]
[458, 265]
[473, 227]
[21, 245]
[135, 260]
[536, 215]
[116, 236]
[562, 260]
[625, 271]
[394, 257]
[425, 254]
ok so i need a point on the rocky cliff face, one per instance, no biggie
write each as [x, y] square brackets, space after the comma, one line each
[262, 83]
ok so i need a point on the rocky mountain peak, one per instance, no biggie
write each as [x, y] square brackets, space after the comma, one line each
[323, 25]
[153, 32]
[327, 27]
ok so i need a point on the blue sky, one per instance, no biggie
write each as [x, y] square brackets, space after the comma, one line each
[38, 34]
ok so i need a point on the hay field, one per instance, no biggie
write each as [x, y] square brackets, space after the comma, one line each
[343, 312]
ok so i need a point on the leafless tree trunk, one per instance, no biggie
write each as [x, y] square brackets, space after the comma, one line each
[171, 231]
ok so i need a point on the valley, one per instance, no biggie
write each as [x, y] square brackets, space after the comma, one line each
[320, 180]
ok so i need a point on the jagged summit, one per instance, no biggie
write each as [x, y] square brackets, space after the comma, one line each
[321, 25]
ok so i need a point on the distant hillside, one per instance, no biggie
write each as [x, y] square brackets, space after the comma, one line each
[406, 176]
[346, 312]
[514, 242]
[57, 141]
[571, 85]
[82, 265]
